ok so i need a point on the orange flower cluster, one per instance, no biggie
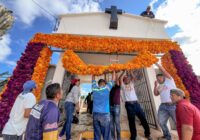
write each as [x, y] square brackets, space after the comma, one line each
[40, 70]
[169, 66]
[74, 64]
[4, 89]
[104, 44]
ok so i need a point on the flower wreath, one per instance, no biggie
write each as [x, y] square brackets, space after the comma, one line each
[73, 63]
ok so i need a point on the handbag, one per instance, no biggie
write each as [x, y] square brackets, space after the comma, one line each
[75, 119]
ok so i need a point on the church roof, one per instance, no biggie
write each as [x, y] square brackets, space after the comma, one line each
[98, 24]
[100, 13]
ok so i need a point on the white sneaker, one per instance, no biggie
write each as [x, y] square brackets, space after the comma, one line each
[59, 138]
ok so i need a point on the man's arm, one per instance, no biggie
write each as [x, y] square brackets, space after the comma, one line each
[105, 77]
[30, 101]
[186, 117]
[142, 14]
[152, 15]
[117, 79]
[111, 83]
[121, 77]
[94, 84]
[133, 77]
[156, 93]
[187, 132]
[27, 112]
[166, 74]
[113, 76]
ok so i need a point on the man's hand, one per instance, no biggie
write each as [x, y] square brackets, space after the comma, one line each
[156, 93]
[156, 83]
[27, 112]
[166, 74]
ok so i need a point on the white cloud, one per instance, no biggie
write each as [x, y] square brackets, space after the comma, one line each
[5, 50]
[4, 47]
[185, 15]
[28, 10]
[152, 3]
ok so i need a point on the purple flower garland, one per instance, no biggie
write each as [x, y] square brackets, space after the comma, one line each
[184, 70]
[22, 73]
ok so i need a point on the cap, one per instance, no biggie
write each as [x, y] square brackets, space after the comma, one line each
[74, 81]
[159, 74]
[29, 85]
[178, 92]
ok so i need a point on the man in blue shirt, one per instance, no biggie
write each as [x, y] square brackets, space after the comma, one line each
[101, 108]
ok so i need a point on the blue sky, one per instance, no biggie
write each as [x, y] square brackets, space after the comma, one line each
[30, 19]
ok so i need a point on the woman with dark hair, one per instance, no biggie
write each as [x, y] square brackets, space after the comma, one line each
[72, 101]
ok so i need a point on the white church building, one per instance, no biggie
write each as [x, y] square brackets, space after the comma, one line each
[129, 26]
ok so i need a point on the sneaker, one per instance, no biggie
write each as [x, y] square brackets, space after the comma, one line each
[59, 138]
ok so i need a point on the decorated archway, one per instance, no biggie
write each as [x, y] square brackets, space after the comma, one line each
[34, 63]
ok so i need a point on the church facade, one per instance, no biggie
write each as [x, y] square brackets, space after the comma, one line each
[128, 26]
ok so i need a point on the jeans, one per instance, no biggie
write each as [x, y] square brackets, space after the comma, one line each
[101, 124]
[132, 110]
[12, 137]
[164, 112]
[69, 110]
[115, 121]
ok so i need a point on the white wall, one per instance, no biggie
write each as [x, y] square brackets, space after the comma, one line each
[98, 24]
[59, 72]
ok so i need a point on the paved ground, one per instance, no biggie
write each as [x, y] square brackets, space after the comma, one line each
[85, 125]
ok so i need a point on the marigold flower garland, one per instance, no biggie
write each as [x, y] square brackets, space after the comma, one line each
[40, 71]
[169, 66]
[104, 44]
[3, 90]
[74, 64]
[185, 71]
[21, 74]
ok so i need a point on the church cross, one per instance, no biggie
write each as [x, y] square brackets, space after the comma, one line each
[113, 19]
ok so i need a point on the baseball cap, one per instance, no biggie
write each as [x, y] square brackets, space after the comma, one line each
[75, 80]
[178, 92]
[29, 85]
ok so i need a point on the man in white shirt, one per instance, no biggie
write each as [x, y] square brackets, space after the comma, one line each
[162, 87]
[16, 125]
[132, 106]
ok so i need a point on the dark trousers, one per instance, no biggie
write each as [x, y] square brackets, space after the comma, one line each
[12, 137]
[134, 108]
